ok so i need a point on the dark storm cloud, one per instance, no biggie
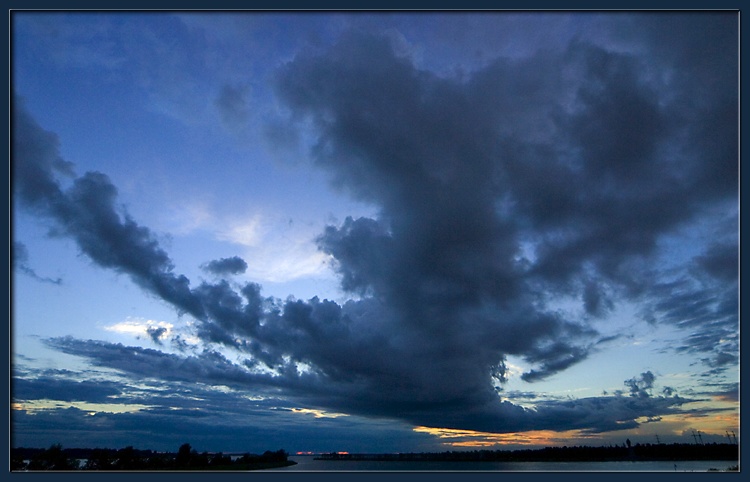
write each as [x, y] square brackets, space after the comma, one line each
[206, 367]
[531, 182]
[604, 414]
[216, 417]
[612, 413]
[57, 388]
[465, 172]
[424, 148]
[595, 414]
[226, 266]
[243, 426]
[87, 212]
[21, 263]
[580, 156]
[181, 396]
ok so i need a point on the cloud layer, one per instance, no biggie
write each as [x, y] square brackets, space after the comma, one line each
[532, 183]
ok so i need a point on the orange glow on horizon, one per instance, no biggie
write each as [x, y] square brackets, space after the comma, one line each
[678, 425]
[471, 438]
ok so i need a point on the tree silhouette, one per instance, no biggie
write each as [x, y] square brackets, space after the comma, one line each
[127, 459]
[52, 459]
[220, 459]
[100, 459]
[17, 463]
[185, 456]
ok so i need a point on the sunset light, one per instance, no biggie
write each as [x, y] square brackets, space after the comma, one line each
[278, 234]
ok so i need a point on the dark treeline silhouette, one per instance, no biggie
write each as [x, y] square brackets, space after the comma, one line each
[128, 458]
[645, 452]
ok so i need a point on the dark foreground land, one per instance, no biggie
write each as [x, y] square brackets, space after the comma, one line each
[185, 459]
[647, 452]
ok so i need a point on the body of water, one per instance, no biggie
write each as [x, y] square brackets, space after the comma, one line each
[307, 463]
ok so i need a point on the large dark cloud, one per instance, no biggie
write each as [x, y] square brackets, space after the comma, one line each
[501, 195]
[241, 427]
[126, 410]
[594, 414]
[59, 388]
[580, 157]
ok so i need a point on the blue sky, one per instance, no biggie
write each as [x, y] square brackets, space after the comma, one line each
[374, 232]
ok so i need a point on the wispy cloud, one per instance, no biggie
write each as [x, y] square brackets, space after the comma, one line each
[21, 263]
[245, 232]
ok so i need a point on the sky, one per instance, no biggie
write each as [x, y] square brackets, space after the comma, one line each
[374, 232]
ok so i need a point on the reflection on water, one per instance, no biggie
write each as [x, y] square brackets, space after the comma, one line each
[307, 463]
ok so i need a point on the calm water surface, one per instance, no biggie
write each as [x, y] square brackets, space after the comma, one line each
[306, 463]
